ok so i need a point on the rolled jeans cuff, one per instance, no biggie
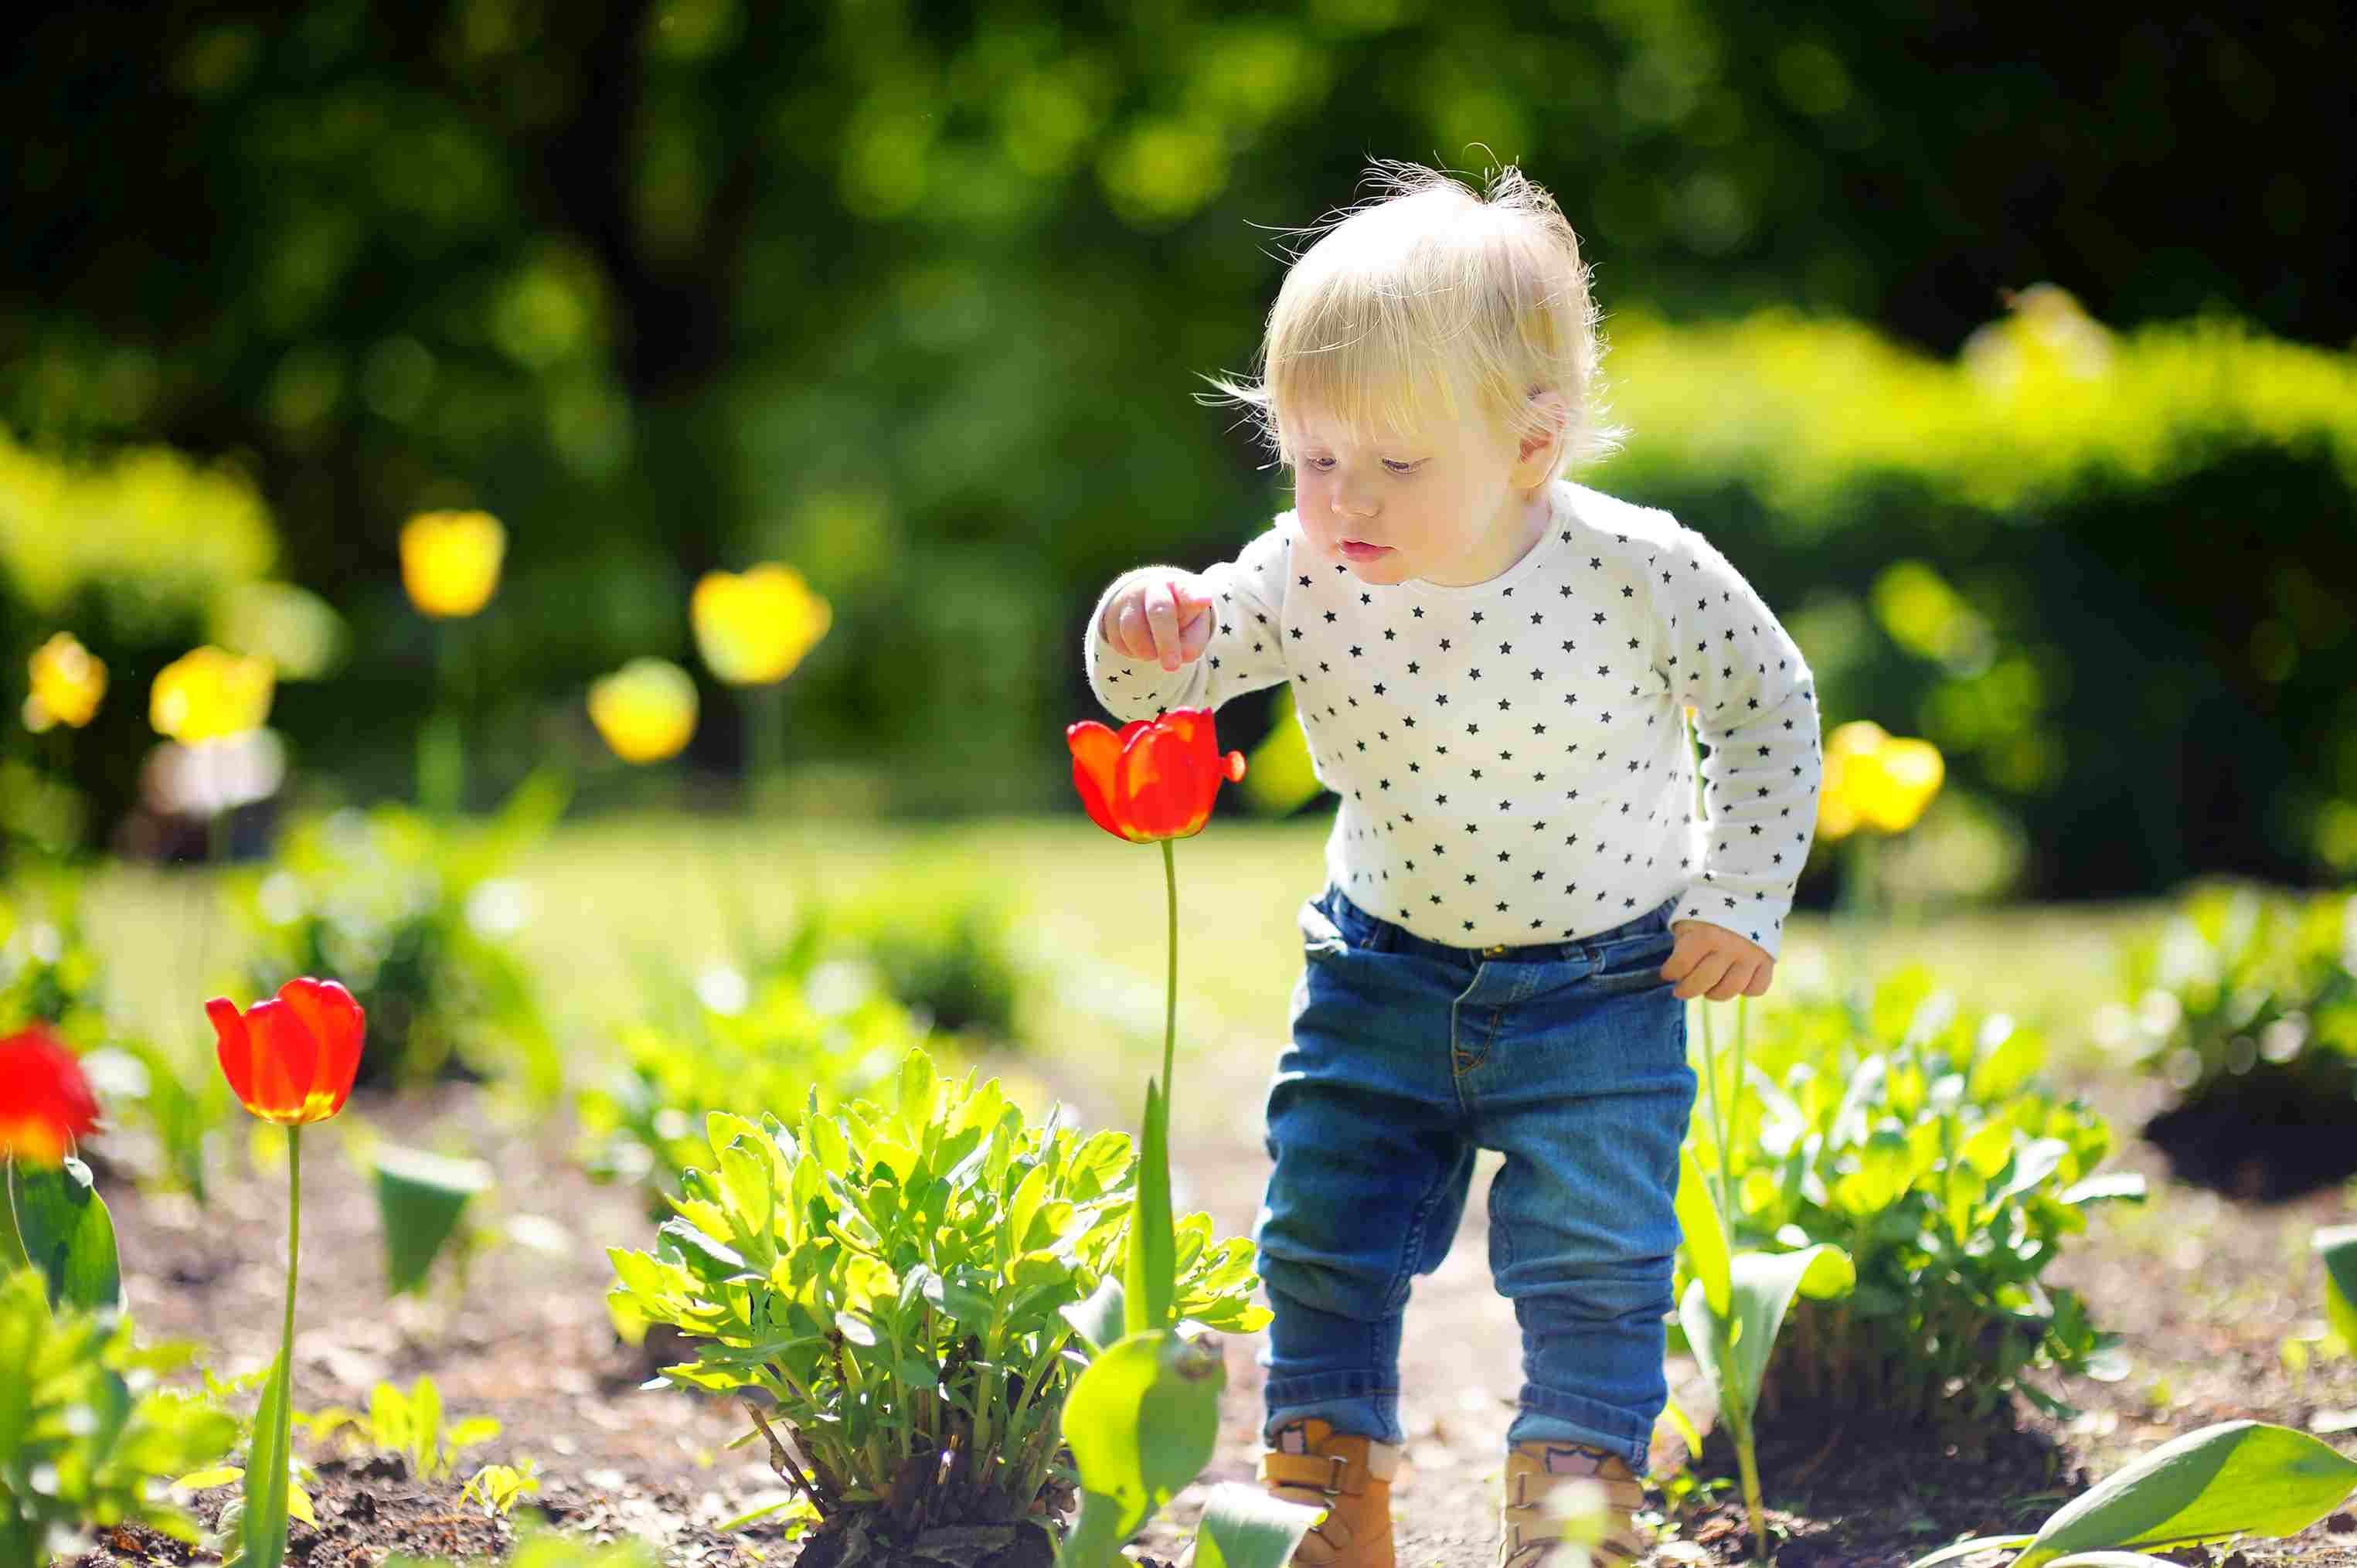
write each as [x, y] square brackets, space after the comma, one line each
[1359, 1402]
[1569, 1418]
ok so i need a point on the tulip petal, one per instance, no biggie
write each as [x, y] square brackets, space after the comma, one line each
[338, 1025]
[1096, 754]
[45, 1100]
[286, 1063]
[236, 1048]
[1163, 789]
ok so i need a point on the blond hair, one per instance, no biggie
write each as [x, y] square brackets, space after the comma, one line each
[1430, 300]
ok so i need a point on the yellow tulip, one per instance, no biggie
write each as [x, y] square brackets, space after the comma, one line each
[1875, 780]
[68, 683]
[450, 561]
[646, 710]
[208, 693]
[1906, 775]
[753, 629]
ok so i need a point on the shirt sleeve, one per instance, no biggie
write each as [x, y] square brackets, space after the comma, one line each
[1247, 648]
[1723, 652]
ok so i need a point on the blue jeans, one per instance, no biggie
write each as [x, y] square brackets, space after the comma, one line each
[1406, 1056]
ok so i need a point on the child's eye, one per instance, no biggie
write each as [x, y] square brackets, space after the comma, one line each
[1320, 464]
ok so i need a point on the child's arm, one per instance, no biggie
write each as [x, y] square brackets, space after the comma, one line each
[1244, 653]
[1722, 649]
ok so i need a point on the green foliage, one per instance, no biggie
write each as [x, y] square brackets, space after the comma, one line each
[1912, 1140]
[412, 915]
[2244, 981]
[65, 1231]
[950, 959]
[156, 1120]
[832, 1008]
[794, 1032]
[496, 1488]
[85, 1436]
[2233, 1478]
[410, 1425]
[151, 533]
[894, 1284]
[49, 970]
[2013, 549]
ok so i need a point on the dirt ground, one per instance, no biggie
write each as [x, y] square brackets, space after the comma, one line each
[2204, 1288]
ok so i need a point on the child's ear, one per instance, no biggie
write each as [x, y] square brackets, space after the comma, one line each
[1540, 453]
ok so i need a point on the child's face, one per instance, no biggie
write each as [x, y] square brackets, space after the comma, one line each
[1440, 502]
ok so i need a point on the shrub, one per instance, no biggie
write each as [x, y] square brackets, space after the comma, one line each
[1913, 1140]
[407, 912]
[85, 1436]
[892, 1283]
[2241, 981]
[2022, 547]
[787, 1041]
[949, 959]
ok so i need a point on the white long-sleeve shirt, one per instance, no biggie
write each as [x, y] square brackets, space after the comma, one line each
[1511, 756]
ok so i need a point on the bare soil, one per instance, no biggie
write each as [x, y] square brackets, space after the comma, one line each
[2205, 1287]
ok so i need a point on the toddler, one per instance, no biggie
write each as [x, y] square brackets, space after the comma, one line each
[1492, 666]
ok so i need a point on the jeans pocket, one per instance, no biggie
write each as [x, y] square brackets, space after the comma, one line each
[1633, 963]
[1321, 935]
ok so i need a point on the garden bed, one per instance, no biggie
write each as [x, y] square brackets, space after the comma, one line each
[2205, 1290]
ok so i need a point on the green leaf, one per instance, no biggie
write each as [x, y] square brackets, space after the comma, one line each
[1095, 1540]
[1761, 1292]
[1243, 1527]
[1142, 1420]
[2113, 1560]
[1706, 1245]
[263, 1524]
[1979, 1544]
[420, 1199]
[1150, 1270]
[1098, 1320]
[2338, 1246]
[68, 1233]
[2233, 1477]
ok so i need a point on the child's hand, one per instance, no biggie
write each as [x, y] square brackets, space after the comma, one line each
[1168, 618]
[1711, 960]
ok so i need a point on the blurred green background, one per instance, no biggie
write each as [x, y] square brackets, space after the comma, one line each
[1982, 344]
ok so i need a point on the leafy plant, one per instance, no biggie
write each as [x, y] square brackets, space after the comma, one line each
[1911, 1138]
[1734, 1307]
[894, 1284]
[2234, 1478]
[730, 1042]
[228, 1534]
[496, 1488]
[949, 959]
[410, 912]
[408, 1425]
[2244, 983]
[85, 1433]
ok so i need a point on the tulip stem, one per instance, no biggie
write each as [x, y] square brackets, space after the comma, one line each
[1170, 1006]
[13, 1256]
[294, 1241]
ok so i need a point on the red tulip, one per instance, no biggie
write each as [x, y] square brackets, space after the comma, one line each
[290, 1059]
[1155, 779]
[45, 1103]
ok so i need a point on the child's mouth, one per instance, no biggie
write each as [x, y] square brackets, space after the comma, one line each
[1358, 552]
